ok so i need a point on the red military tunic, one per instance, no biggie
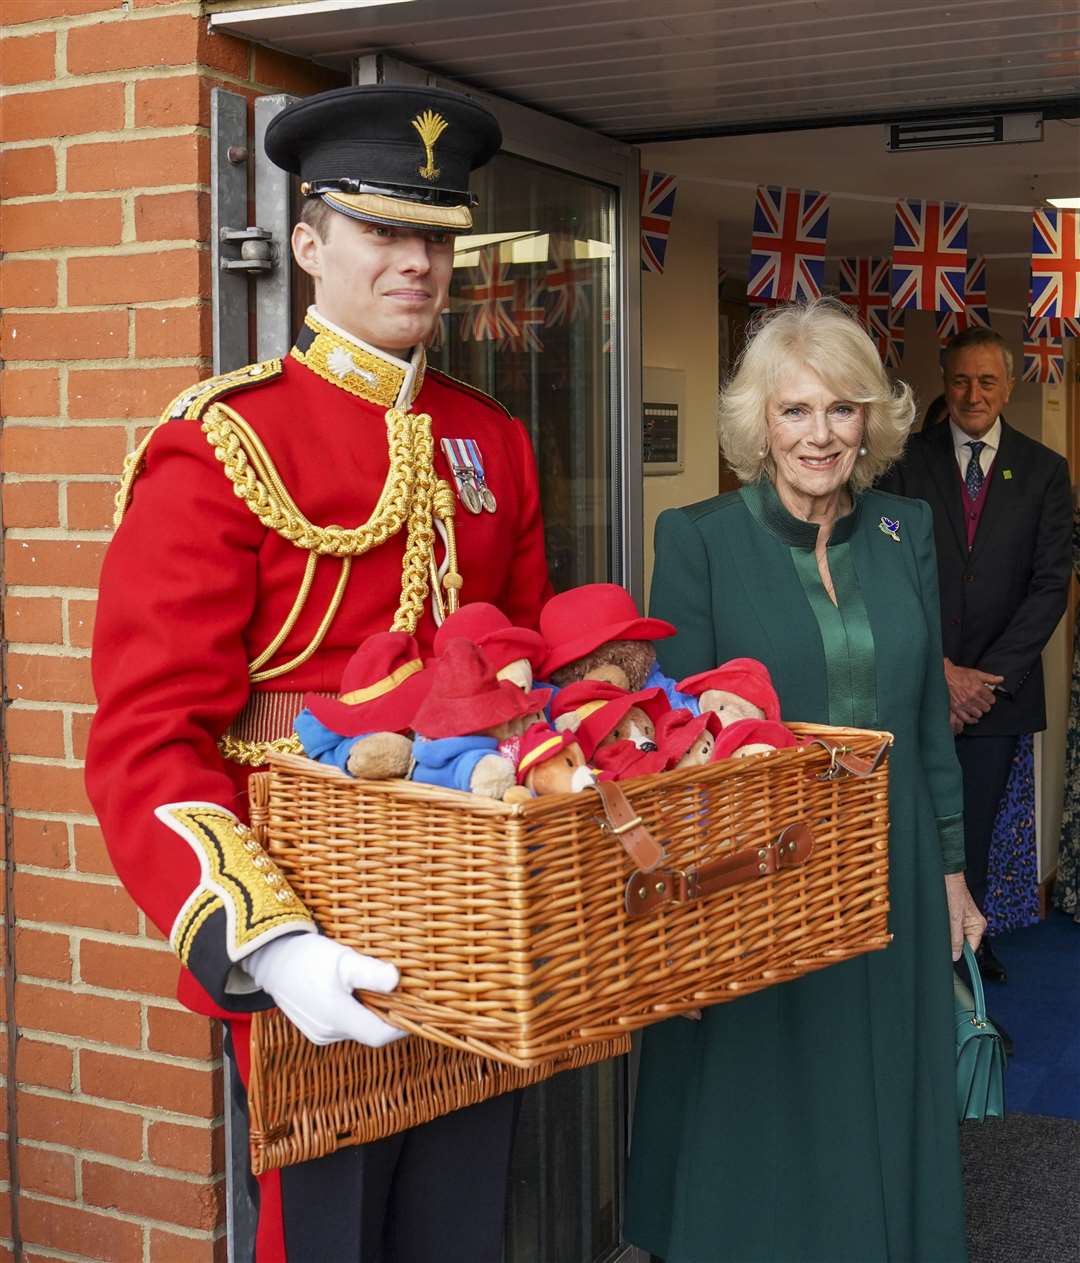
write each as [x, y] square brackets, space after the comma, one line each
[196, 584]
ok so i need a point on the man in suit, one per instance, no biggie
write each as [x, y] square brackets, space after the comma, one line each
[1002, 521]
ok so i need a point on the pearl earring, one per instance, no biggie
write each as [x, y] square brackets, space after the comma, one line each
[862, 451]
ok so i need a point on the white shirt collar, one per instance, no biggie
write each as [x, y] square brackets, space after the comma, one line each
[992, 440]
[409, 367]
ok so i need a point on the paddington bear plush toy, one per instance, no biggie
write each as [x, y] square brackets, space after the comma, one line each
[600, 713]
[515, 653]
[365, 729]
[739, 689]
[466, 713]
[686, 739]
[552, 762]
[752, 736]
[595, 632]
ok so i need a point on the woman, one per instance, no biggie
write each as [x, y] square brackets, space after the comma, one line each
[817, 1120]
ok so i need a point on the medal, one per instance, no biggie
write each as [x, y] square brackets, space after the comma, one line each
[477, 465]
[464, 475]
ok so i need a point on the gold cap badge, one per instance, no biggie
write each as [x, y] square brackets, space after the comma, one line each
[430, 126]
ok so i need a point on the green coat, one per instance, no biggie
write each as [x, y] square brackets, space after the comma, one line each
[816, 1120]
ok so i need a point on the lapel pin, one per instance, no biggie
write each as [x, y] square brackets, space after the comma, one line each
[891, 527]
[1006, 473]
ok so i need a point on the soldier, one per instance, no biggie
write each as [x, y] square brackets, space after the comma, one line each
[277, 516]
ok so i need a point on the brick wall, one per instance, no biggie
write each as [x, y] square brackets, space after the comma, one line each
[115, 1145]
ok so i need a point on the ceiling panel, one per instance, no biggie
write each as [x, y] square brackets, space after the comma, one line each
[637, 72]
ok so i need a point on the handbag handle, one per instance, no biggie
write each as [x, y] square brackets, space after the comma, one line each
[977, 993]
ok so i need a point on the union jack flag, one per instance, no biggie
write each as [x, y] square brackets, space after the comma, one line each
[567, 279]
[976, 312]
[787, 248]
[929, 261]
[1044, 359]
[864, 286]
[439, 331]
[1053, 328]
[657, 207]
[487, 315]
[1055, 263]
[528, 315]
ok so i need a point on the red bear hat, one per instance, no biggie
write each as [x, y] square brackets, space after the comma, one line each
[622, 761]
[490, 630]
[465, 695]
[601, 705]
[539, 743]
[745, 732]
[382, 685]
[580, 620]
[745, 677]
[677, 730]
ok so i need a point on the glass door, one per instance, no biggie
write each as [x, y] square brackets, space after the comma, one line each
[544, 315]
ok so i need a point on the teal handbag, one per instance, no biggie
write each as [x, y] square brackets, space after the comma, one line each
[980, 1055]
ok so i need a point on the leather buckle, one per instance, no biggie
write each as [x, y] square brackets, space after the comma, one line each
[834, 771]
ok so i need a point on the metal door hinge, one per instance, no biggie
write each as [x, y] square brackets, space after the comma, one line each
[258, 251]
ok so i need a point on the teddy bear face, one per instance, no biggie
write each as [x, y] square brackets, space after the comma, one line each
[519, 673]
[634, 659]
[729, 707]
[699, 752]
[564, 773]
[634, 726]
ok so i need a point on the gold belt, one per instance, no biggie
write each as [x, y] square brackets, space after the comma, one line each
[264, 726]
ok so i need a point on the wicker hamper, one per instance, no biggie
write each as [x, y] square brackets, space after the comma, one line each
[526, 931]
[305, 1101]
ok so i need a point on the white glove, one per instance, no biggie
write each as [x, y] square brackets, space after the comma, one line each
[311, 979]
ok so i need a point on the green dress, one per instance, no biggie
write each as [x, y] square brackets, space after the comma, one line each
[816, 1120]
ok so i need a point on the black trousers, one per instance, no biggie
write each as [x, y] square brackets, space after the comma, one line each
[985, 764]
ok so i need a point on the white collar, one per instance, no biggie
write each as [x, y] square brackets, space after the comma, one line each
[992, 439]
[410, 367]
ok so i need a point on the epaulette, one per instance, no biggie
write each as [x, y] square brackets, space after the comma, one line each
[480, 395]
[189, 405]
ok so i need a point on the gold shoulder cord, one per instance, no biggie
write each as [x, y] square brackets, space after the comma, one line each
[411, 497]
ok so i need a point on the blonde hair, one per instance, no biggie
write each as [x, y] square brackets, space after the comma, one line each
[828, 338]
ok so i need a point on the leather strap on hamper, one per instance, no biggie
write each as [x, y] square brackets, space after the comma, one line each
[845, 762]
[648, 891]
[624, 822]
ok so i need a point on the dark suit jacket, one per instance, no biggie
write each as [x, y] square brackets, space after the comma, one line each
[1001, 602]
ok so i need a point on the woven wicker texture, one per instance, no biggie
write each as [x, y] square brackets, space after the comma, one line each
[508, 921]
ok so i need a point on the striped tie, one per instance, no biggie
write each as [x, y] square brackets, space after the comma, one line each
[973, 479]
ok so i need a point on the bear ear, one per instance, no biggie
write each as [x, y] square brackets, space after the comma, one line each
[570, 722]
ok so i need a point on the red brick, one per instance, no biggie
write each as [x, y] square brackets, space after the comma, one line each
[197, 1150]
[48, 787]
[48, 1172]
[97, 107]
[63, 1011]
[37, 733]
[293, 74]
[69, 901]
[59, 1120]
[31, 504]
[120, 968]
[28, 172]
[31, 392]
[44, 1064]
[69, 335]
[28, 283]
[173, 216]
[79, 221]
[33, 620]
[224, 52]
[182, 101]
[182, 1034]
[170, 1247]
[77, 1231]
[91, 854]
[81, 615]
[80, 733]
[90, 505]
[29, 449]
[138, 278]
[40, 843]
[41, 10]
[164, 332]
[39, 954]
[183, 1202]
[152, 1083]
[169, 41]
[125, 392]
[166, 160]
[28, 58]
[60, 563]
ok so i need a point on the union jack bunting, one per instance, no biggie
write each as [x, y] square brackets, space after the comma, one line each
[1055, 263]
[439, 330]
[976, 312]
[657, 207]
[864, 286]
[487, 311]
[787, 248]
[527, 313]
[929, 262]
[1052, 328]
[567, 280]
[1044, 359]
